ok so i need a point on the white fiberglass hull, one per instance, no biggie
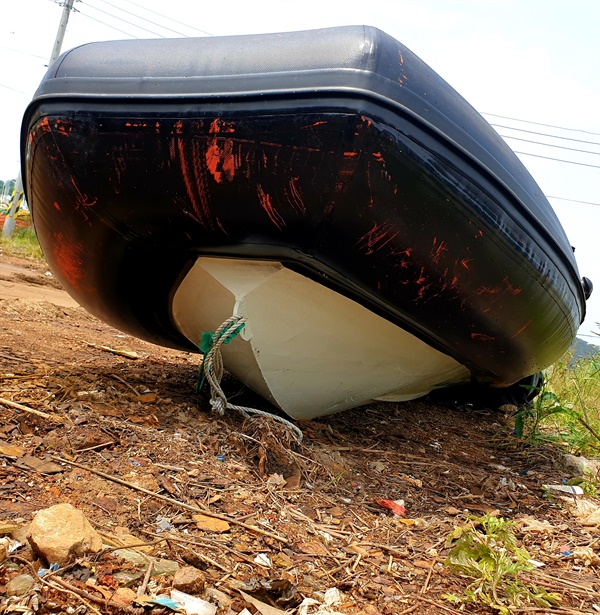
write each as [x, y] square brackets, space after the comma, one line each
[305, 348]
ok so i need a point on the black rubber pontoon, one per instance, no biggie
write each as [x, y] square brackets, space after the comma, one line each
[337, 152]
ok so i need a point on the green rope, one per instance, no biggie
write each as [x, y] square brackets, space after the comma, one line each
[207, 341]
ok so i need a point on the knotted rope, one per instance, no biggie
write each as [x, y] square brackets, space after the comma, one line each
[211, 369]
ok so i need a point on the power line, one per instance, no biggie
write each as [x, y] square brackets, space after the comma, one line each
[504, 117]
[582, 164]
[181, 23]
[545, 134]
[106, 24]
[143, 18]
[13, 89]
[124, 20]
[571, 149]
[561, 198]
[22, 52]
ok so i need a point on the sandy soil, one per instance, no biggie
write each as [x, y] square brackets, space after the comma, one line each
[135, 445]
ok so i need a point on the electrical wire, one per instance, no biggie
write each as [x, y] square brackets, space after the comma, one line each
[571, 149]
[504, 117]
[582, 164]
[545, 134]
[124, 20]
[13, 89]
[106, 24]
[181, 23]
[561, 198]
[22, 52]
[144, 19]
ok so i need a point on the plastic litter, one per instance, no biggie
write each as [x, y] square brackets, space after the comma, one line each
[53, 568]
[570, 489]
[192, 605]
[391, 505]
[164, 524]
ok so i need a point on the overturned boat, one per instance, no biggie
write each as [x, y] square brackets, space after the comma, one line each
[374, 234]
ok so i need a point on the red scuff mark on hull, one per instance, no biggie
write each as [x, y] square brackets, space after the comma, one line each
[193, 181]
[220, 159]
[486, 290]
[265, 202]
[80, 197]
[378, 237]
[56, 206]
[43, 126]
[508, 288]
[465, 262]
[295, 195]
[521, 329]
[68, 259]
[482, 337]
[420, 281]
[437, 250]
[63, 127]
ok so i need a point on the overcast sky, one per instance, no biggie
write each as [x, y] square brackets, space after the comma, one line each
[534, 62]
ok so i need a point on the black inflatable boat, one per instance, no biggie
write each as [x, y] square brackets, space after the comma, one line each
[376, 235]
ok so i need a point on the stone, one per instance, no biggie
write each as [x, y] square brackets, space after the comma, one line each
[164, 566]
[124, 595]
[19, 585]
[61, 533]
[581, 465]
[189, 580]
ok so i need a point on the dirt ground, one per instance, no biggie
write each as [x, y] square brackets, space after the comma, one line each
[121, 434]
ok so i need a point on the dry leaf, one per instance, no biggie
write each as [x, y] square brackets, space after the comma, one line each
[10, 450]
[210, 524]
[312, 548]
[146, 398]
[39, 465]
[530, 524]
[261, 607]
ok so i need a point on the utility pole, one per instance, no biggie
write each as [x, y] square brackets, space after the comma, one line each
[9, 222]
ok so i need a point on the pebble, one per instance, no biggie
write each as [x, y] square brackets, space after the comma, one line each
[19, 585]
[189, 580]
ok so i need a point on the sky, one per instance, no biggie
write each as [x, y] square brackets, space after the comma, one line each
[530, 67]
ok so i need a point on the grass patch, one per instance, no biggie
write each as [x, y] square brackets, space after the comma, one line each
[567, 410]
[22, 243]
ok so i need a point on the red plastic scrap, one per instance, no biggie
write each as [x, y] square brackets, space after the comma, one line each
[396, 508]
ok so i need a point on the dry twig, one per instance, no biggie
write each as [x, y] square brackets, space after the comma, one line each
[44, 415]
[120, 481]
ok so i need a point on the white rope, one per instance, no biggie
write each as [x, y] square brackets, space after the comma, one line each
[213, 371]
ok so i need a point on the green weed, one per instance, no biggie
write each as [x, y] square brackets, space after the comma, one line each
[567, 408]
[486, 551]
[22, 243]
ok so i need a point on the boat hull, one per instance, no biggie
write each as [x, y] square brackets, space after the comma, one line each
[365, 177]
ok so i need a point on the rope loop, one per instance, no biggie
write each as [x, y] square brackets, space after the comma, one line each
[211, 369]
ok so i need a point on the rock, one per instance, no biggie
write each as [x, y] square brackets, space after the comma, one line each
[124, 595]
[165, 566]
[189, 580]
[19, 585]
[160, 566]
[62, 532]
[581, 465]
